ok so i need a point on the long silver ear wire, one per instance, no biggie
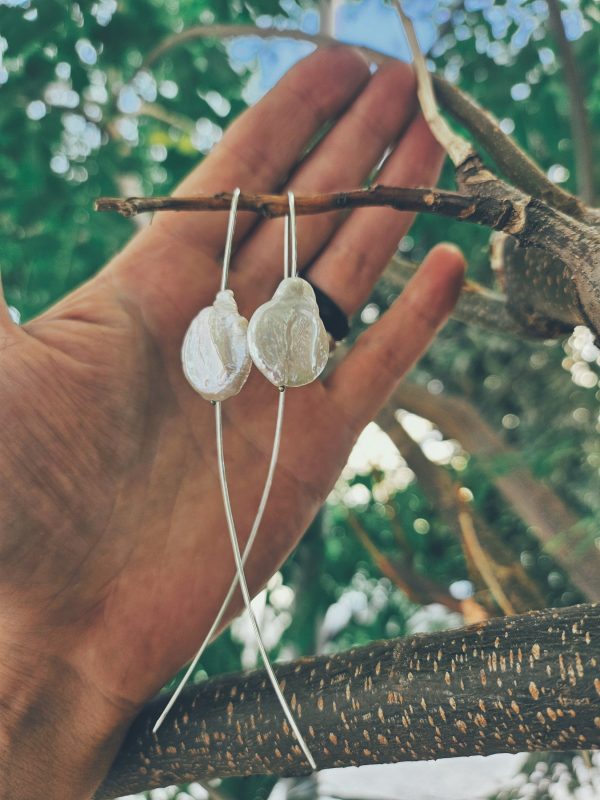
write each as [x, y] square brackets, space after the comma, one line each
[239, 563]
[224, 276]
[239, 558]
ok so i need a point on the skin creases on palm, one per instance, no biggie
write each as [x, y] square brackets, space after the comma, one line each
[114, 555]
[118, 492]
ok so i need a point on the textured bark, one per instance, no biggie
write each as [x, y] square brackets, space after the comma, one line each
[492, 212]
[508, 685]
[563, 244]
[513, 163]
[477, 305]
[561, 286]
[551, 521]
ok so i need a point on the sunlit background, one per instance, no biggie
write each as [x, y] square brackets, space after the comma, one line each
[89, 107]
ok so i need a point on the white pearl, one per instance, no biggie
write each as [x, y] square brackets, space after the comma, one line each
[286, 337]
[214, 354]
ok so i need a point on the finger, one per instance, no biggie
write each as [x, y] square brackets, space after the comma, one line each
[261, 147]
[383, 354]
[343, 159]
[362, 247]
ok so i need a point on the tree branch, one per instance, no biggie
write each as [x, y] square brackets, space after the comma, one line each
[578, 118]
[433, 201]
[477, 305]
[493, 564]
[513, 162]
[573, 245]
[418, 588]
[455, 146]
[482, 561]
[550, 520]
[198, 32]
[504, 686]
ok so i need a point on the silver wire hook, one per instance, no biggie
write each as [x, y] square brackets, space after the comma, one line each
[293, 242]
[286, 247]
[240, 558]
[229, 239]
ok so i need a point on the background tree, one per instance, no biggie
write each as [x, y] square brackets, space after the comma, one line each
[81, 117]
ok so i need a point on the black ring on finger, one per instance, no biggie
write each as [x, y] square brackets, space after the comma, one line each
[335, 321]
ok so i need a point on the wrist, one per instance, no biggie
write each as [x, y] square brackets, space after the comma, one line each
[58, 736]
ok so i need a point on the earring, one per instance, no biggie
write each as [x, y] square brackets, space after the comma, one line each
[286, 337]
[217, 366]
[215, 354]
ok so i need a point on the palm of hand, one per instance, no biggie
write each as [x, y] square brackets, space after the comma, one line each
[114, 521]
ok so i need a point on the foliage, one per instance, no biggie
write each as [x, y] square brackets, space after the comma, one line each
[80, 117]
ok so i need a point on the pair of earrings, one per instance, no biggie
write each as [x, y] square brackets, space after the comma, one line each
[287, 341]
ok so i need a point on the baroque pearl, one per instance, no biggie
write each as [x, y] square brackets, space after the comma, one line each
[214, 354]
[286, 337]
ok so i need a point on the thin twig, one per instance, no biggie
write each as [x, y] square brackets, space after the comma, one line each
[494, 213]
[327, 11]
[457, 148]
[578, 118]
[197, 32]
[417, 588]
[443, 493]
[550, 520]
[480, 559]
[157, 112]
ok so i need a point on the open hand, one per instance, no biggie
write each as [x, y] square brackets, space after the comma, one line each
[114, 556]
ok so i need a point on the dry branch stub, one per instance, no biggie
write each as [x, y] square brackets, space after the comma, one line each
[516, 684]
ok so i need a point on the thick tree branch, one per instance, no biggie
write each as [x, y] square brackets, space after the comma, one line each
[505, 686]
[477, 305]
[513, 162]
[556, 527]
[578, 118]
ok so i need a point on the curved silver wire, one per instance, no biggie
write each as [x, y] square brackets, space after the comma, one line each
[246, 593]
[286, 247]
[229, 238]
[290, 228]
[234, 583]
[224, 276]
[291, 235]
